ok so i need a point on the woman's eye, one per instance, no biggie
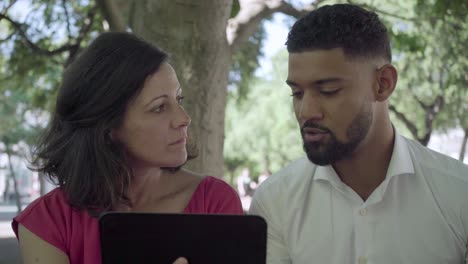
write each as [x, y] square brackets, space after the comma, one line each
[180, 99]
[158, 109]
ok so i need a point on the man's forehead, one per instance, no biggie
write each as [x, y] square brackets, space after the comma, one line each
[318, 54]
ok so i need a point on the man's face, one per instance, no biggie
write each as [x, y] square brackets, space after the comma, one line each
[332, 99]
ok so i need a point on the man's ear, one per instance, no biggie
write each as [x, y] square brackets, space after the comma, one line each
[387, 77]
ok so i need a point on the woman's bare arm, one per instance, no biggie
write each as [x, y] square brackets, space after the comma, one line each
[34, 250]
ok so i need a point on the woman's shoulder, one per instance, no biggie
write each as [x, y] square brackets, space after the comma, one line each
[52, 201]
[208, 184]
[217, 185]
[219, 196]
[51, 207]
[52, 219]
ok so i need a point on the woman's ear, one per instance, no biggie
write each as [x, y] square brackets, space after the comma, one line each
[387, 77]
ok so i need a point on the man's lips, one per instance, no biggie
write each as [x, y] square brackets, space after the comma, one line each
[313, 134]
[313, 130]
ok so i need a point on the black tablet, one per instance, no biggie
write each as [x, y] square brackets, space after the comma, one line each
[202, 239]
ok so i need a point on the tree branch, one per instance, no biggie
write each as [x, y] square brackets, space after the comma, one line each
[8, 37]
[5, 11]
[112, 15]
[88, 23]
[89, 20]
[67, 16]
[252, 12]
[419, 101]
[33, 46]
[376, 10]
[410, 125]
[435, 107]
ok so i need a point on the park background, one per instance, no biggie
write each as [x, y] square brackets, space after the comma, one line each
[231, 61]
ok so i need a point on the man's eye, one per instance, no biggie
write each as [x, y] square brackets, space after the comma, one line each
[297, 95]
[329, 93]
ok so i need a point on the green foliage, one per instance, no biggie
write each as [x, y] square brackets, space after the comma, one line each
[245, 62]
[435, 69]
[262, 128]
[443, 8]
[37, 40]
[235, 8]
[429, 50]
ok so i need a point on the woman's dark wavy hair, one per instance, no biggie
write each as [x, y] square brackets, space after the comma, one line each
[76, 151]
[359, 32]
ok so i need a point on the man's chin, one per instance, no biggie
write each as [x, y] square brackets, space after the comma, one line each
[321, 161]
[317, 157]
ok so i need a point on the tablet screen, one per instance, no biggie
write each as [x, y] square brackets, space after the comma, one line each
[202, 239]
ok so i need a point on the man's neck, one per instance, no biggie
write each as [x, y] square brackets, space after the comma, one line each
[367, 168]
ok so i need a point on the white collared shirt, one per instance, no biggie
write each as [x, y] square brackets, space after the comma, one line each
[418, 214]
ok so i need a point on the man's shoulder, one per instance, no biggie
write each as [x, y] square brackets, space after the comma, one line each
[295, 173]
[432, 164]
[282, 188]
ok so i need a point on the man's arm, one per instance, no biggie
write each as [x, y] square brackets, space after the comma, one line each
[277, 252]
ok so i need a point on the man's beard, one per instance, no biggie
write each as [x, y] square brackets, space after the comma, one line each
[334, 150]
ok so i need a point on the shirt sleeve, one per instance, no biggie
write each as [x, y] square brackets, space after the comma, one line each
[277, 251]
[466, 257]
[465, 222]
[45, 217]
[223, 199]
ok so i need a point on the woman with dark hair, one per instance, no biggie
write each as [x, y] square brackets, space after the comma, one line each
[116, 142]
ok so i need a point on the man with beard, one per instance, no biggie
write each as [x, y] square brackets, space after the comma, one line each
[364, 194]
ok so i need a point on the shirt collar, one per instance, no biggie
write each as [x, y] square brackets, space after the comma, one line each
[401, 162]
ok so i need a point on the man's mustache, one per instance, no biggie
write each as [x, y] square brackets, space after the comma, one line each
[310, 124]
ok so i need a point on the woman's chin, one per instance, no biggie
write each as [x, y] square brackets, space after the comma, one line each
[176, 163]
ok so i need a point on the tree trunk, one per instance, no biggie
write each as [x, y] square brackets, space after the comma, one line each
[15, 182]
[231, 178]
[6, 198]
[463, 146]
[426, 138]
[42, 184]
[194, 33]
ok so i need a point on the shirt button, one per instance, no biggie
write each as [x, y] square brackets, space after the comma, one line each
[362, 260]
[363, 211]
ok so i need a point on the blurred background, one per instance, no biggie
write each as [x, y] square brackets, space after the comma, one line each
[242, 119]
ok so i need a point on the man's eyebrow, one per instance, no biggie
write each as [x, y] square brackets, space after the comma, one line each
[328, 80]
[318, 82]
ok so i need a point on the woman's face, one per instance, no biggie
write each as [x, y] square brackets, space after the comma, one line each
[154, 126]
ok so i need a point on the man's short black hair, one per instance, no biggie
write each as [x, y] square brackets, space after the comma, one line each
[359, 32]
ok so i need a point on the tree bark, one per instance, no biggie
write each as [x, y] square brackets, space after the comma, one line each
[112, 10]
[463, 146]
[42, 184]
[6, 199]
[15, 181]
